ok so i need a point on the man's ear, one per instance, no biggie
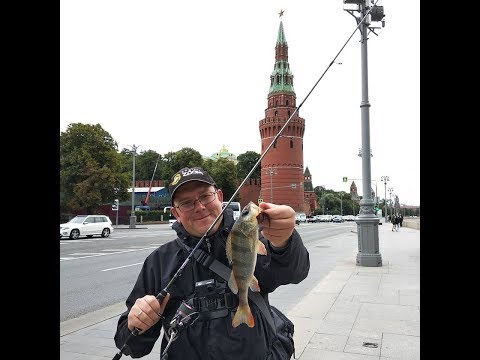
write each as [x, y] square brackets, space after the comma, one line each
[175, 213]
[220, 195]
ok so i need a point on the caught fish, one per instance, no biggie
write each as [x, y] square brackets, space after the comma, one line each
[242, 248]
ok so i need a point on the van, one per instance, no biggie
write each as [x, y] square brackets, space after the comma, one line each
[235, 206]
[142, 208]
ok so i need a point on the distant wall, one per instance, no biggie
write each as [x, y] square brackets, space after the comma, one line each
[412, 223]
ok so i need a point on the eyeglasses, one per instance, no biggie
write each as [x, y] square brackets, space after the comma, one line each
[204, 199]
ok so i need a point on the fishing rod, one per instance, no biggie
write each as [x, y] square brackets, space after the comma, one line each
[163, 293]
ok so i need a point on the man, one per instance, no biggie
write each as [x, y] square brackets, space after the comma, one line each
[196, 203]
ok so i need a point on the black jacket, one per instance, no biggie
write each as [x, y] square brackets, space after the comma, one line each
[212, 339]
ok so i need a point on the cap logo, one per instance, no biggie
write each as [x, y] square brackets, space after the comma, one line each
[176, 179]
[188, 172]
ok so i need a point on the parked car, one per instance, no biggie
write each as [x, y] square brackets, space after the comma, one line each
[301, 217]
[235, 206]
[324, 218]
[86, 225]
[337, 219]
[171, 220]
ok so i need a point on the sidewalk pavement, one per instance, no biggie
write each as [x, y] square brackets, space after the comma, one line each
[353, 313]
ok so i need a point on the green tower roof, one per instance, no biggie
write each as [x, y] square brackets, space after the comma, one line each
[282, 77]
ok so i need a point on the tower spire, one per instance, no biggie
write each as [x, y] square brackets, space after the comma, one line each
[282, 177]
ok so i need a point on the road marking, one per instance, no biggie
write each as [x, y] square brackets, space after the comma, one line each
[121, 267]
[89, 255]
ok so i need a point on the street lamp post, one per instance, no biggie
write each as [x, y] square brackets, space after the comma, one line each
[367, 222]
[385, 179]
[271, 172]
[133, 218]
[341, 203]
[390, 191]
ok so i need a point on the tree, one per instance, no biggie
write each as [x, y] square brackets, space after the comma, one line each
[145, 164]
[90, 168]
[224, 172]
[174, 161]
[246, 161]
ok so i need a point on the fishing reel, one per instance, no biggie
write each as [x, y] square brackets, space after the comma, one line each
[186, 315]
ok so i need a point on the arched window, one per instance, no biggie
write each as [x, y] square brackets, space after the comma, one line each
[287, 102]
[276, 112]
[291, 144]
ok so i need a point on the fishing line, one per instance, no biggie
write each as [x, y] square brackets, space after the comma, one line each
[164, 291]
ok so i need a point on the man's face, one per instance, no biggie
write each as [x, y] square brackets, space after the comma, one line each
[198, 220]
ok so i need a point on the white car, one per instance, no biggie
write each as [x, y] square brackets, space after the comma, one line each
[236, 208]
[172, 220]
[87, 225]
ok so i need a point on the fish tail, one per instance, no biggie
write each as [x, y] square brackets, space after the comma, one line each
[243, 315]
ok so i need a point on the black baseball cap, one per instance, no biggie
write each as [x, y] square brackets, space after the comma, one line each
[188, 174]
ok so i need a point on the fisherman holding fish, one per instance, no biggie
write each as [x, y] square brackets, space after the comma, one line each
[262, 248]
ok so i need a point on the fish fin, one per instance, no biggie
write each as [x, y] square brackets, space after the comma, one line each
[261, 249]
[232, 284]
[228, 248]
[243, 316]
[254, 284]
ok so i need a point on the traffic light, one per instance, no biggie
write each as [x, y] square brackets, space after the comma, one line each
[115, 205]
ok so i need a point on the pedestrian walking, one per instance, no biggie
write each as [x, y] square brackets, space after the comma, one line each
[394, 222]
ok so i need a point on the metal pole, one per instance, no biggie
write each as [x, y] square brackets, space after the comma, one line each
[390, 191]
[133, 218]
[341, 204]
[118, 209]
[271, 172]
[368, 252]
[385, 179]
[271, 187]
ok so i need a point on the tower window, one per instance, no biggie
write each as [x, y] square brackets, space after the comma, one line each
[291, 144]
[288, 110]
[287, 105]
[276, 112]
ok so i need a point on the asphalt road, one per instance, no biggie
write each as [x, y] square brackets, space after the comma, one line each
[99, 272]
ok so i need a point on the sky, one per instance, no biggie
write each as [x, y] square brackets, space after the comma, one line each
[164, 75]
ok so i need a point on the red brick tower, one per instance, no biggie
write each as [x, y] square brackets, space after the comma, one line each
[282, 167]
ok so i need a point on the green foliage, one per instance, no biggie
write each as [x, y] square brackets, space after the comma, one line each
[145, 165]
[174, 161]
[153, 215]
[246, 162]
[224, 172]
[90, 168]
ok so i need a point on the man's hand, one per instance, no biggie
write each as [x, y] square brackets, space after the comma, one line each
[146, 312]
[281, 224]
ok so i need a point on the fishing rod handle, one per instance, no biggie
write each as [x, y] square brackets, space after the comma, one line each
[161, 296]
[117, 356]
